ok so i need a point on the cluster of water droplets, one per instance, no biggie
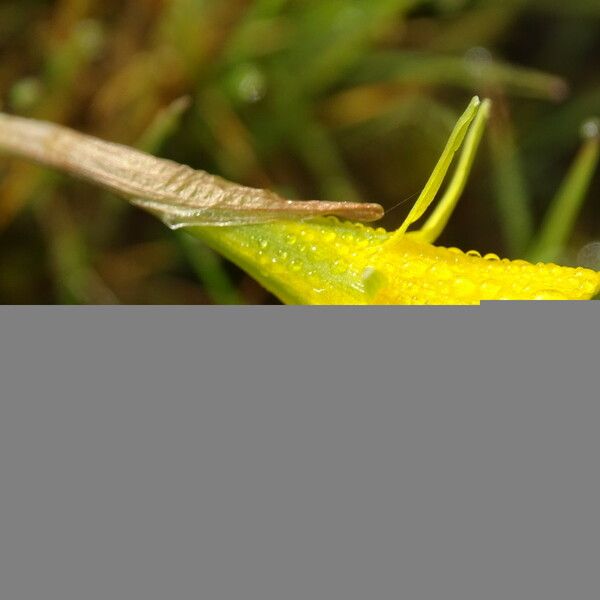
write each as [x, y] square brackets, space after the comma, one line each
[421, 274]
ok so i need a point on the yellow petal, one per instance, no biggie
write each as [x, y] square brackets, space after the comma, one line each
[323, 261]
[419, 273]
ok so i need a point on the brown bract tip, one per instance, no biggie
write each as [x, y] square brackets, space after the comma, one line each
[359, 211]
[353, 211]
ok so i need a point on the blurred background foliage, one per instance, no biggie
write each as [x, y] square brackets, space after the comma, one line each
[336, 99]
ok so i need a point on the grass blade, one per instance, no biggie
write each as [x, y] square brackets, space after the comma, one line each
[566, 205]
[512, 198]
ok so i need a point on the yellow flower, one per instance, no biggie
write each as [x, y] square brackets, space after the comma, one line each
[325, 261]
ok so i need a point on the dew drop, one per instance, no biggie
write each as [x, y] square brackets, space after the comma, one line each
[477, 60]
[589, 256]
[463, 286]
[490, 288]
[550, 295]
[339, 266]
[249, 83]
[373, 280]
[590, 129]
[439, 271]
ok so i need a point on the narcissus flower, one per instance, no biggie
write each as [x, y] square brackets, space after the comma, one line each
[321, 260]
[325, 261]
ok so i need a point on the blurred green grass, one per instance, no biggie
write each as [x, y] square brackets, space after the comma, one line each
[336, 99]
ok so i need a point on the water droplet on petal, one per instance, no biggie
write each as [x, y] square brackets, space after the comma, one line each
[490, 289]
[373, 280]
[463, 286]
[550, 295]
